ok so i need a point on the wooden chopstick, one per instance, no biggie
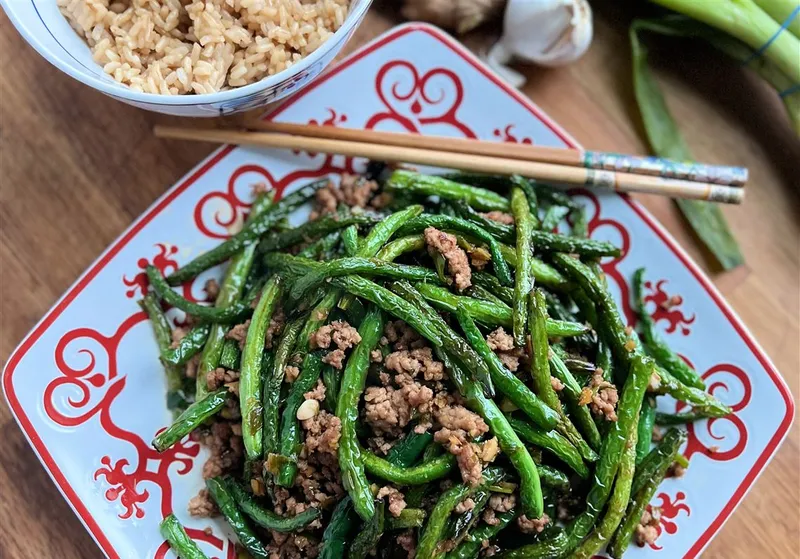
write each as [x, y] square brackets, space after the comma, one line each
[575, 176]
[637, 165]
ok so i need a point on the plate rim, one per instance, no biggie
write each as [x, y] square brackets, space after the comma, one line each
[78, 506]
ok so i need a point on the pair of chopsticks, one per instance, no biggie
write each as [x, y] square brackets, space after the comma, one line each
[622, 173]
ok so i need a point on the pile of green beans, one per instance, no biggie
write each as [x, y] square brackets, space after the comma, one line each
[535, 388]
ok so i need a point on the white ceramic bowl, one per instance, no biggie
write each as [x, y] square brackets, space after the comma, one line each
[45, 28]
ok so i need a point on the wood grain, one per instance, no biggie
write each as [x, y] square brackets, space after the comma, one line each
[77, 167]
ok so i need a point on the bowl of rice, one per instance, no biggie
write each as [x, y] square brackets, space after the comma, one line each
[189, 57]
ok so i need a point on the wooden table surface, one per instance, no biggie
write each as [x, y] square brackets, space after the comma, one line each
[77, 167]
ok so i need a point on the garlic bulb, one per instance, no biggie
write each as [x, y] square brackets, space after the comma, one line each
[545, 32]
[460, 15]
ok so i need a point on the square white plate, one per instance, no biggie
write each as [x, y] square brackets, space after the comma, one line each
[87, 389]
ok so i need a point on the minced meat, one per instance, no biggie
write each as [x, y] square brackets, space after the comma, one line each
[397, 501]
[604, 397]
[323, 432]
[220, 377]
[499, 217]
[239, 333]
[479, 257]
[499, 502]
[226, 449]
[532, 525]
[318, 393]
[191, 367]
[353, 191]
[290, 372]
[212, 289]
[557, 385]
[203, 505]
[457, 263]
[415, 361]
[460, 418]
[177, 335]
[276, 324]
[339, 333]
[402, 336]
[467, 454]
[389, 410]
[291, 545]
[408, 543]
[647, 529]
[464, 506]
[502, 343]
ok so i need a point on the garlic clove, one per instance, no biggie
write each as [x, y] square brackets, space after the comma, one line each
[308, 409]
[498, 58]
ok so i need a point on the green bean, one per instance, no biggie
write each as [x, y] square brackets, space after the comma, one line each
[554, 196]
[290, 444]
[471, 546]
[540, 374]
[370, 534]
[189, 346]
[604, 361]
[580, 414]
[508, 383]
[307, 273]
[546, 242]
[580, 228]
[491, 284]
[251, 374]
[400, 246]
[543, 273]
[702, 401]
[428, 544]
[311, 229]
[615, 510]
[478, 292]
[219, 489]
[500, 231]
[233, 313]
[553, 442]
[543, 549]
[258, 226]
[408, 518]
[642, 496]
[646, 420]
[491, 314]
[322, 247]
[444, 222]
[352, 385]
[528, 188]
[680, 418]
[440, 265]
[271, 398]
[332, 379]
[265, 517]
[484, 180]
[428, 185]
[530, 489]
[180, 542]
[463, 523]
[406, 452]
[553, 478]
[523, 282]
[434, 469]
[579, 366]
[163, 334]
[190, 419]
[553, 216]
[341, 524]
[350, 240]
[655, 345]
[231, 355]
[660, 457]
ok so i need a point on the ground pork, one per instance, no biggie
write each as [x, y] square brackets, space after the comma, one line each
[532, 525]
[402, 335]
[290, 372]
[203, 505]
[376, 356]
[291, 545]
[415, 361]
[323, 432]
[457, 263]
[191, 366]
[460, 418]
[177, 335]
[557, 385]
[467, 454]
[604, 397]
[388, 410]
[465, 505]
[219, 377]
[212, 289]
[499, 217]
[675, 470]
[380, 444]
[239, 333]
[502, 343]
[225, 446]
[276, 324]
[318, 393]
[353, 191]
[408, 543]
[499, 502]
[647, 529]
[397, 501]
[339, 333]
[319, 478]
